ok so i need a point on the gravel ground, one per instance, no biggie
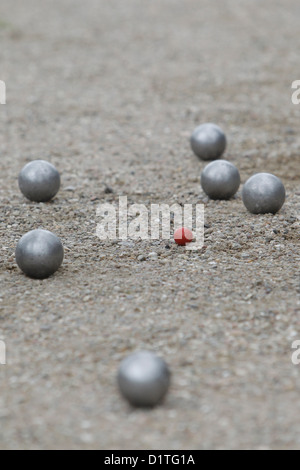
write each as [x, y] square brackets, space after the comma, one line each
[109, 92]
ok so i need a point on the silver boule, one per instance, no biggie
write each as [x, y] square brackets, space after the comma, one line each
[208, 142]
[39, 254]
[263, 193]
[144, 379]
[220, 180]
[39, 181]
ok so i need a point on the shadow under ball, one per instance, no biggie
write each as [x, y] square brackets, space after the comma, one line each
[39, 181]
[39, 254]
[220, 180]
[144, 379]
[263, 193]
[208, 142]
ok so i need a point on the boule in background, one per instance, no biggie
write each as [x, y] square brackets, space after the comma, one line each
[208, 142]
[39, 181]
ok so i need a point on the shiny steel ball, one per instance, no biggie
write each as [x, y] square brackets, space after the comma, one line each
[220, 180]
[39, 254]
[208, 142]
[144, 379]
[39, 181]
[263, 193]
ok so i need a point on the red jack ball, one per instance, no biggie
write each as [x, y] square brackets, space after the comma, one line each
[182, 236]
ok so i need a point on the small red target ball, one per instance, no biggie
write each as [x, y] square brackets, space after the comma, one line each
[182, 236]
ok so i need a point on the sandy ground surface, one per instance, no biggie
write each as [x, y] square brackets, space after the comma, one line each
[109, 92]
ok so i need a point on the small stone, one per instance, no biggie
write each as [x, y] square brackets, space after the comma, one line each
[108, 190]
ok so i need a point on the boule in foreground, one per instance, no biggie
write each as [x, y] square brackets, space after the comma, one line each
[39, 254]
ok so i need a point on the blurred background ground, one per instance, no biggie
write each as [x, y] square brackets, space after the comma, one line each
[109, 92]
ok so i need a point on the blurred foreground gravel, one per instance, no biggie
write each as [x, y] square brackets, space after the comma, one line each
[109, 92]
